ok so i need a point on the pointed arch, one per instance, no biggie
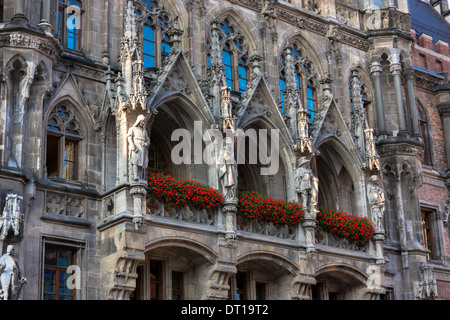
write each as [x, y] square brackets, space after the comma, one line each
[341, 168]
[238, 21]
[308, 71]
[66, 140]
[425, 131]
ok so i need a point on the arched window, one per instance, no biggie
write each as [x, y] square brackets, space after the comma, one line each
[69, 23]
[303, 76]
[63, 137]
[155, 43]
[425, 134]
[234, 57]
[158, 160]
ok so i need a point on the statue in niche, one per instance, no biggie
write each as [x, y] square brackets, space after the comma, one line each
[139, 142]
[304, 181]
[376, 202]
[228, 170]
[11, 277]
[11, 217]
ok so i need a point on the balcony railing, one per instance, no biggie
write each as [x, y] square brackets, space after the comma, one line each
[328, 239]
[189, 214]
[265, 228]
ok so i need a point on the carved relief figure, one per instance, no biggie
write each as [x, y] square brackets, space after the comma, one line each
[10, 276]
[228, 170]
[139, 142]
[11, 217]
[376, 202]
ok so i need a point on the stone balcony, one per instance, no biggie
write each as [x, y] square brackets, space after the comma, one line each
[248, 229]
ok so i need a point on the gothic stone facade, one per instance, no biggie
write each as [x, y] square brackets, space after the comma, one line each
[337, 79]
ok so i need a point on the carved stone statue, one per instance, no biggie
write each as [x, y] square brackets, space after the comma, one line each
[228, 171]
[11, 278]
[10, 220]
[303, 181]
[314, 195]
[139, 142]
[376, 202]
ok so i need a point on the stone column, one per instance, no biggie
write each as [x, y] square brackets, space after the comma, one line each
[409, 77]
[309, 225]
[375, 70]
[45, 16]
[138, 192]
[396, 70]
[20, 13]
[378, 238]
[229, 211]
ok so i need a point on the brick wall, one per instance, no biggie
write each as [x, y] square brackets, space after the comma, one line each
[443, 289]
[430, 54]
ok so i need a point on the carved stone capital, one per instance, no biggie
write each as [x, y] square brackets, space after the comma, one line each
[376, 69]
[395, 68]
[138, 190]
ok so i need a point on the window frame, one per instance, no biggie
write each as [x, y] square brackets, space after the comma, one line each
[313, 111]
[155, 22]
[63, 137]
[159, 280]
[302, 79]
[159, 147]
[432, 243]
[58, 269]
[233, 43]
[424, 131]
[63, 31]
[74, 245]
[242, 293]
[179, 293]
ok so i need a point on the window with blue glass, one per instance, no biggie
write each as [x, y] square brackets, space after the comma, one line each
[234, 56]
[243, 75]
[69, 23]
[303, 71]
[149, 44]
[156, 44]
[227, 57]
[56, 261]
[312, 100]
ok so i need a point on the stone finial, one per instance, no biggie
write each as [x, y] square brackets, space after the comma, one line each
[12, 216]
